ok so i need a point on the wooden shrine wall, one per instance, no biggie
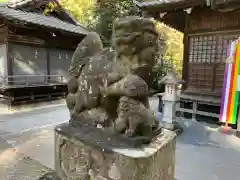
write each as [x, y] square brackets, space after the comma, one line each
[43, 37]
[37, 52]
[208, 33]
[3, 61]
[3, 30]
[224, 1]
[59, 62]
[211, 20]
[28, 60]
[38, 61]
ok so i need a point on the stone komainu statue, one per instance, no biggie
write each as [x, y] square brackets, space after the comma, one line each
[111, 86]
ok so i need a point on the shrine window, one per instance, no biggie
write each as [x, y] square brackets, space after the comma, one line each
[202, 49]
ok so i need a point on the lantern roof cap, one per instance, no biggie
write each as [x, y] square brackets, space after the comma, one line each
[171, 78]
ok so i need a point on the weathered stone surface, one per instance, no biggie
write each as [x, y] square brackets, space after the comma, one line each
[238, 134]
[50, 176]
[170, 100]
[90, 158]
[110, 86]
[238, 128]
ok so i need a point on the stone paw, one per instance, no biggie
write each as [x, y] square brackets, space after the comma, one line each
[129, 132]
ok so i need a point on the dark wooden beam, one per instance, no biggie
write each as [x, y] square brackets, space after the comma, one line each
[39, 37]
[176, 20]
[3, 33]
[25, 39]
[185, 53]
[9, 55]
[3, 30]
[217, 2]
[48, 61]
[213, 31]
[234, 5]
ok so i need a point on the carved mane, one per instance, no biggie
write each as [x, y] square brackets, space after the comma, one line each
[88, 47]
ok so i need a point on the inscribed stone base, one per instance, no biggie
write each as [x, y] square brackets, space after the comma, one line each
[238, 127]
[82, 159]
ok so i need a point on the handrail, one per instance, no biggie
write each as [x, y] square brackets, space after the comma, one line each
[31, 80]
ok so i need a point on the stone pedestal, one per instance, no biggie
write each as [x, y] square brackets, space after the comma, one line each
[238, 133]
[238, 127]
[94, 155]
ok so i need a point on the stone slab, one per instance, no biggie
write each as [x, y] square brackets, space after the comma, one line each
[76, 158]
[91, 135]
[175, 127]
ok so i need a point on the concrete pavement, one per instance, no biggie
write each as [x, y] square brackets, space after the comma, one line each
[202, 152]
[30, 133]
[19, 122]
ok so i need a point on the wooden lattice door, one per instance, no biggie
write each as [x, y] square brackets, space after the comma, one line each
[207, 56]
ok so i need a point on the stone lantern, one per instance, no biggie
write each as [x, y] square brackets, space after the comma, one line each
[170, 98]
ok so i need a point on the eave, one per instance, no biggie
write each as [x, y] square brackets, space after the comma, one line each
[157, 6]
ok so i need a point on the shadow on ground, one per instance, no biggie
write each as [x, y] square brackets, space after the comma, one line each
[198, 133]
[204, 153]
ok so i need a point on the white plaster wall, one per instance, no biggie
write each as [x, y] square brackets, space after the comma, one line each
[3, 61]
[59, 63]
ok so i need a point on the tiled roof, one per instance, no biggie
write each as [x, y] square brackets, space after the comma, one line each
[156, 2]
[39, 19]
[16, 3]
[20, 4]
[161, 3]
